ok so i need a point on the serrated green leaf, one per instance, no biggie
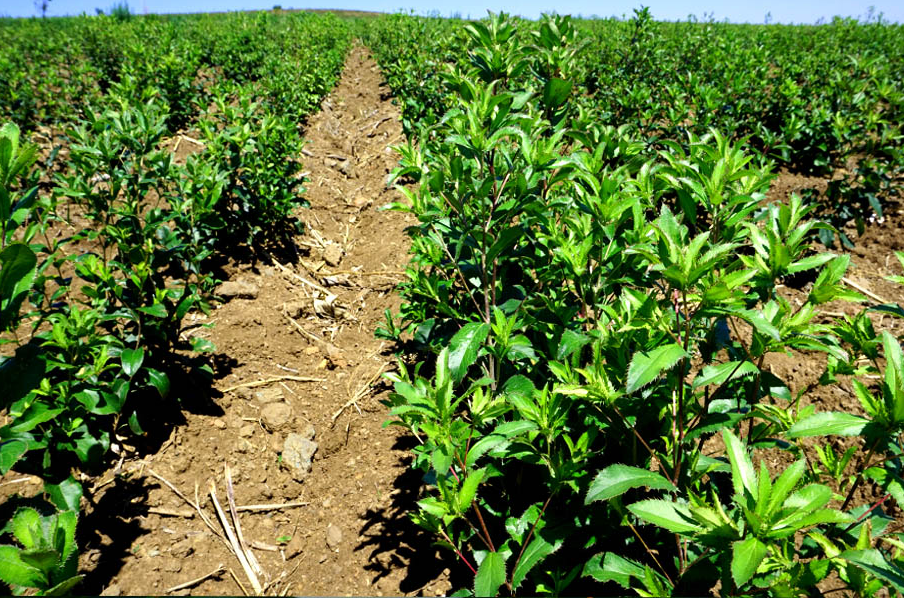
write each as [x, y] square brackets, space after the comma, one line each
[442, 459]
[875, 562]
[26, 527]
[463, 348]
[490, 576]
[570, 342]
[828, 423]
[10, 453]
[42, 559]
[502, 434]
[894, 377]
[888, 481]
[784, 485]
[808, 498]
[609, 566]
[617, 479]
[469, 489]
[743, 476]
[718, 374]
[646, 367]
[15, 572]
[746, 556]
[535, 552]
[64, 587]
[674, 517]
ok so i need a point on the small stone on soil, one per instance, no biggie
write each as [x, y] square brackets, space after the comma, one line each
[173, 566]
[295, 309]
[297, 453]
[333, 537]
[234, 289]
[247, 431]
[269, 395]
[182, 549]
[276, 415]
[219, 424]
[332, 255]
[180, 464]
[295, 546]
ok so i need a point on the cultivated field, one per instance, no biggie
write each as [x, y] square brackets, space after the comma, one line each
[629, 291]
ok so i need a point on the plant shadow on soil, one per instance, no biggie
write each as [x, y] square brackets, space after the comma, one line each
[110, 526]
[393, 538]
[113, 537]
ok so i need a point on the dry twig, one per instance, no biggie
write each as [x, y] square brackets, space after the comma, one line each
[188, 514]
[230, 496]
[301, 279]
[195, 582]
[273, 507]
[236, 578]
[863, 290]
[272, 380]
[236, 547]
[360, 393]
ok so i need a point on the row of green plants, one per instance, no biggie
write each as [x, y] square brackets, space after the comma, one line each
[93, 324]
[824, 100]
[53, 69]
[597, 410]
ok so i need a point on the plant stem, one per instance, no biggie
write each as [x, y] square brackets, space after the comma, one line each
[877, 504]
[531, 532]
[457, 551]
[651, 553]
[859, 480]
[483, 526]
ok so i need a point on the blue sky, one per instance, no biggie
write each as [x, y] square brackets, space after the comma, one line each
[800, 11]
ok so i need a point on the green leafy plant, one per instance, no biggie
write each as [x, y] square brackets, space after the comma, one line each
[597, 306]
[46, 560]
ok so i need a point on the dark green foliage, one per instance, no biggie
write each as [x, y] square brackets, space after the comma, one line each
[599, 304]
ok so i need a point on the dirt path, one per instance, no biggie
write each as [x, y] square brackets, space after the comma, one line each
[352, 537]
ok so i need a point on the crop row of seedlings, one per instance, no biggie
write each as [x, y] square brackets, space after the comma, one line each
[93, 324]
[824, 101]
[600, 309]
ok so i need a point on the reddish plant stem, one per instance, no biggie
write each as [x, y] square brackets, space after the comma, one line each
[457, 551]
[483, 526]
[876, 505]
[531, 532]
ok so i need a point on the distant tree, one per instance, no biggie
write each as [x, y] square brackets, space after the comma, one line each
[42, 5]
[120, 11]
